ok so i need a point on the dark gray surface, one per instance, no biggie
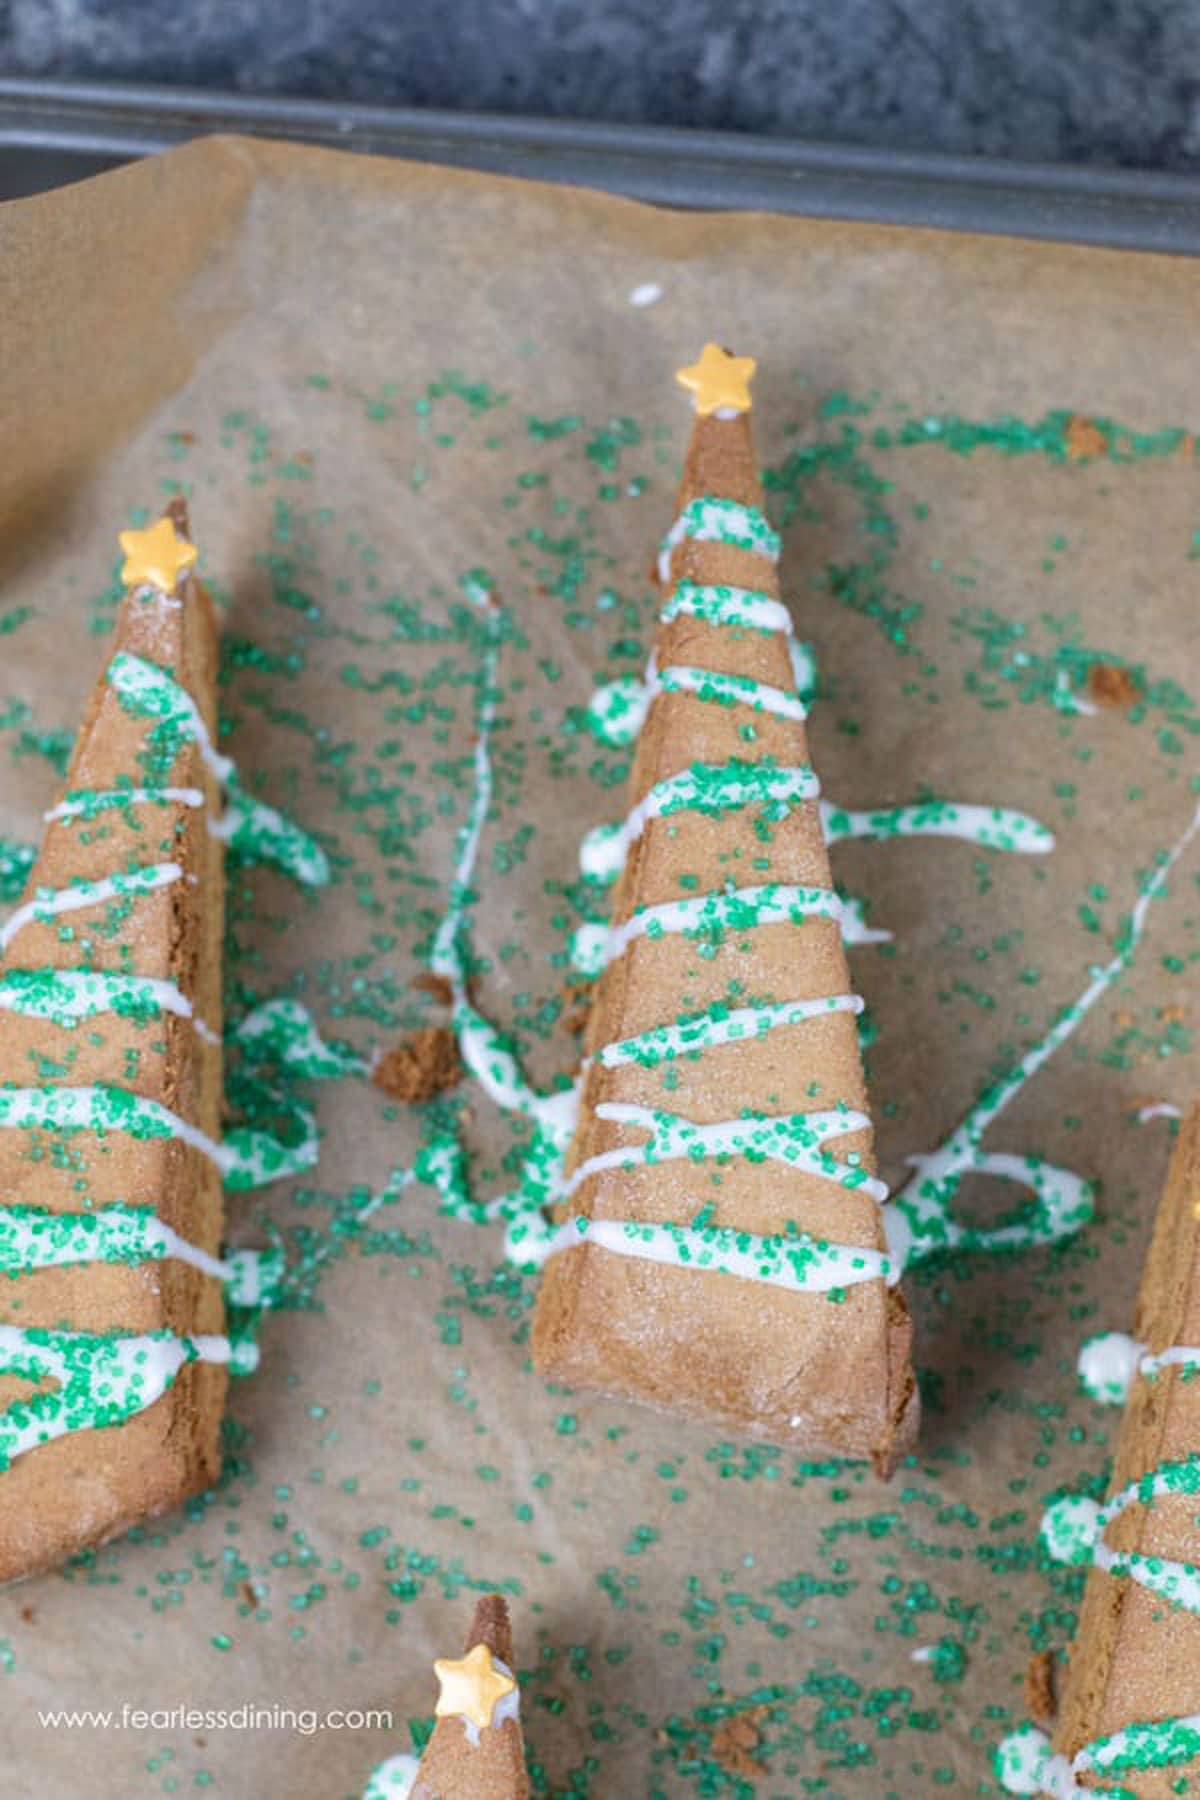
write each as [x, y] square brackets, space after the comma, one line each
[1099, 81]
[56, 132]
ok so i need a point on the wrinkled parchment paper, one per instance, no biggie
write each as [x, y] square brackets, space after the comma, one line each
[370, 379]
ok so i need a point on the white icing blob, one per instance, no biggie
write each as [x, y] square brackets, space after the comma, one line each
[1160, 1109]
[1108, 1364]
[393, 1779]
[1025, 1765]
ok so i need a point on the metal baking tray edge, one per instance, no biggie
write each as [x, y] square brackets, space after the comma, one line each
[55, 132]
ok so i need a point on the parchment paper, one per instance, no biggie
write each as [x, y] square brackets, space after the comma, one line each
[262, 325]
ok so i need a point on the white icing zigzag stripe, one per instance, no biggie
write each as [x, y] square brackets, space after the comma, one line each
[147, 690]
[77, 806]
[1026, 1764]
[796, 1139]
[33, 1238]
[65, 996]
[741, 1024]
[799, 1263]
[712, 519]
[727, 690]
[709, 788]
[1073, 1532]
[245, 1159]
[48, 903]
[131, 1372]
[740, 909]
[747, 608]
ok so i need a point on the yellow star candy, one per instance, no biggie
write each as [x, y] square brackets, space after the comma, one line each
[156, 557]
[471, 1687]
[718, 380]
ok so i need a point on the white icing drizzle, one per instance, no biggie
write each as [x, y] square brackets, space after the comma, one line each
[137, 1370]
[796, 1261]
[709, 788]
[484, 1049]
[149, 690]
[726, 690]
[712, 519]
[796, 1139]
[101, 799]
[285, 1030]
[245, 1158]
[49, 903]
[65, 996]
[617, 710]
[993, 827]
[31, 1238]
[1073, 1531]
[1026, 1763]
[1159, 1109]
[920, 1221]
[748, 608]
[726, 1025]
[737, 909]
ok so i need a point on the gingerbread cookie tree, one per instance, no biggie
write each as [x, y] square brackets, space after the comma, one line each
[112, 1366]
[729, 1260]
[1130, 1721]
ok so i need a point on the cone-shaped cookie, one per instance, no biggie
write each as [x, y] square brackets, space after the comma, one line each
[730, 1260]
[110, 1103]
[1130, 1719]
[476, 1751]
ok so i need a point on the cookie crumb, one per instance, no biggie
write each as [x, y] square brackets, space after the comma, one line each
[1111, 685]
[1084, 439]
[437, 985]
[1040, 1701]
[425, 1064]
[734, 1741]
[576, 997]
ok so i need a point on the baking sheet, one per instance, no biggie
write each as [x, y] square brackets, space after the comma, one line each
[57, 131]
[370, 380]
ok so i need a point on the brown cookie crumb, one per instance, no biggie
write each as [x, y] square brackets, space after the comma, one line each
[576, 997]
[1040, 1701]
[1111, 685]
[734, 1741]
[437, 985]
[1084, 439]
[425, 1064]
